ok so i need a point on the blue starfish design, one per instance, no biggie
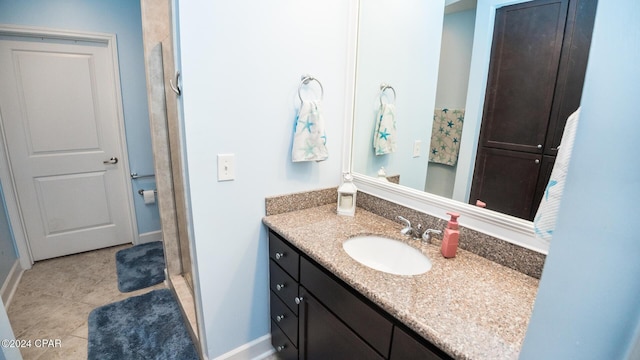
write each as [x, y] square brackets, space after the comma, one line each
[445, 110]
[443, 147]
[461, 118]
[455, 140]
[308, 150]
[434, 151]
[384, 134]
[441, 129]
[450, 123]
[307, 125]
[546, 192]
[447, 133]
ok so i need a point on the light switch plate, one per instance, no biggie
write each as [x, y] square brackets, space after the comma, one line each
[416, 148]
[226, 167]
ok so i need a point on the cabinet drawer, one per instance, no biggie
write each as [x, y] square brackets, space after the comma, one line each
[283, 286]
[284, 255]
[286, 320]
[280, 342]
[358, 315]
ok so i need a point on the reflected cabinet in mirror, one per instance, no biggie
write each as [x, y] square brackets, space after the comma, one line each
[482, 91]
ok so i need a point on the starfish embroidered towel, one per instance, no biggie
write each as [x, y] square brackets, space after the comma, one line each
[445, 136]
[545, 221]
[309, 138]
[384, 136]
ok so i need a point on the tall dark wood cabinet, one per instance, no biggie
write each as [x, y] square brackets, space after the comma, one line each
[538, 61]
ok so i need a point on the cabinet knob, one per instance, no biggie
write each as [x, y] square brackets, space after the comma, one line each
[539, 146]
[537, 161]
[298, 299]
[280, 318]
[279, 255]
[279, 287]
[281, 347]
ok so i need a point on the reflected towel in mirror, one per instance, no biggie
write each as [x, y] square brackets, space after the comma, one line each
[445, 136]
[384, 136]
[545, 221]
[309, 138]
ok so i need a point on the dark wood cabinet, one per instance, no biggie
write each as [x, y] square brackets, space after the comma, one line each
[318, 316]
[325, 336]
[407, 347]
[536, 73]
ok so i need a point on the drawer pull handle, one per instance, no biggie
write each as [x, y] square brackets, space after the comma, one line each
[279, 318]
[279, 255]
[279, 287]
[298, 300]
[281, 347]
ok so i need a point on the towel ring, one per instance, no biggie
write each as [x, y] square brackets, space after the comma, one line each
[383, 88]
[305, 79]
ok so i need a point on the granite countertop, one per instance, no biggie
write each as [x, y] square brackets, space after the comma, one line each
[468, 306]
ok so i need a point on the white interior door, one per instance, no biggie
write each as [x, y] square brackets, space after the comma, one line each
[59, 110]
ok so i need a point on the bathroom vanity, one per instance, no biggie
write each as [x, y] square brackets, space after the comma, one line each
[325, 305]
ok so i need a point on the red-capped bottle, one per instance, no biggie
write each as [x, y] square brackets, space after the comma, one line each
[451, 236]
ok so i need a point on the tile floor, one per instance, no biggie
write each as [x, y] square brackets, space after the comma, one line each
[54, 298]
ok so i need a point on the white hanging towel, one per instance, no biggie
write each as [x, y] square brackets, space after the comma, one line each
[309, 138]
[384, 136]
[545, 221]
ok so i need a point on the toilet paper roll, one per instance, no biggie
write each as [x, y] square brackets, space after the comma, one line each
[149, 196]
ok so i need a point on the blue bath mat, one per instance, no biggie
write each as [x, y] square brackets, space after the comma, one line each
[148, 326]
[140, 266]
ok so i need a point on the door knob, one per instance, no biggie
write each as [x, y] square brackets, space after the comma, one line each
[539, 146]
[113, 160]
[537, 161]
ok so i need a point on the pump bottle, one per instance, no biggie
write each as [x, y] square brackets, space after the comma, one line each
[451, 235]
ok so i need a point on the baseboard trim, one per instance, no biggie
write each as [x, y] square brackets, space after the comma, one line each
[11, 283]
[150, 237]
[257, 349]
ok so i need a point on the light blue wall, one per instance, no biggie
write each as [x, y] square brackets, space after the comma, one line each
[587, 304]
[120, 17]
[241, 66]
[453, 80]
[8, 253]
[404, 53]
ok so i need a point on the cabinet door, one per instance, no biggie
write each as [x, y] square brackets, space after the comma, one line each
[405, 347]
[506, 181]
[573, 66]
[525, 56]
[323, 336]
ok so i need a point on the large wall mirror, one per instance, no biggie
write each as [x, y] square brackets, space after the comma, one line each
[435, 56]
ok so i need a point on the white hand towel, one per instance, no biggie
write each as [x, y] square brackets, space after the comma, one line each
[309, 139]
[384, 136]
[545, 221]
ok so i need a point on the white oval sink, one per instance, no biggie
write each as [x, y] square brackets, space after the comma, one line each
[387, 255]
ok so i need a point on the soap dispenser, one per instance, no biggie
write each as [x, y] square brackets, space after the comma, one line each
[451, 235]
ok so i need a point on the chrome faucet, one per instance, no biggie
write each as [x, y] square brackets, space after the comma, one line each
[426, 235]
[407, 230]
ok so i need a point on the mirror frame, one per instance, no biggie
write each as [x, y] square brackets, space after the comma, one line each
[505, 227]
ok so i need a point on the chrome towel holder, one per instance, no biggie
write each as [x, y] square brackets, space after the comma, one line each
[305, 80]
[384, 87]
